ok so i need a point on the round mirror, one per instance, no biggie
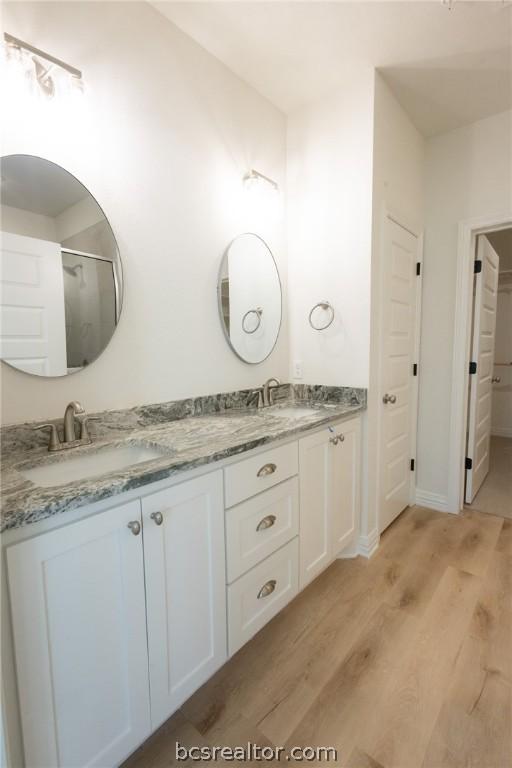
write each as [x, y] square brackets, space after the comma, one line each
[249, 292]
[60, 271]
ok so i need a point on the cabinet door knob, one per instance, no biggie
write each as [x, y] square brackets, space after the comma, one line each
[267, 522]
[496, 379]
[334, 440]
[389, 399]
[157, 517]
[134, 527]
[341, 437]
[266, 469]
[267, 589]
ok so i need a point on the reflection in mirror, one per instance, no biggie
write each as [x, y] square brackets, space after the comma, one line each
[61, 278]
[249, 292]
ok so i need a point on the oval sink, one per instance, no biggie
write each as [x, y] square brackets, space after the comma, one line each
[92, 464]
[294, 412]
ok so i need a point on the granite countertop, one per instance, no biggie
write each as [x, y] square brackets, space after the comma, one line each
[186, 442]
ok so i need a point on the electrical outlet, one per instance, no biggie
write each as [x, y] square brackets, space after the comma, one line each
[297, 369]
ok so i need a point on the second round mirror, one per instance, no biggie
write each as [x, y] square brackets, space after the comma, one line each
[250, 299]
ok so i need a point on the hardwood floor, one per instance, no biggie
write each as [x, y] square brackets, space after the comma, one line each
[402, 661]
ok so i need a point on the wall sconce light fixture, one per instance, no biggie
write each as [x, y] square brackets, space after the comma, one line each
[42, 67]
[254, 179]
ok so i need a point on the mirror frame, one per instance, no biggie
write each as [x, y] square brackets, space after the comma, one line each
[219, 299]
[117, 270]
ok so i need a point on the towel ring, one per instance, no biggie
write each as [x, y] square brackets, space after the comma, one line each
[323, 305]
[258, 312]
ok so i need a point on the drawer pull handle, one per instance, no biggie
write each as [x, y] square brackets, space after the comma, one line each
[267, 522]
[157, 517]
[267, 589]
[267, 469]
[134, 527]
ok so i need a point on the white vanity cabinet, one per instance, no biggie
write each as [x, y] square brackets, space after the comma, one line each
[185, 590]
[329, 464]
[119, 616]
[79, 624]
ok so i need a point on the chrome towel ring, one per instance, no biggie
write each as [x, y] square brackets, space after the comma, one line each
[258, 312]
[326, 305]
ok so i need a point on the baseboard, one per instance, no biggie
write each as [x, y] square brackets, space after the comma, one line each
[365, 546]
[368, 545]
[501, 431]
[431, 500]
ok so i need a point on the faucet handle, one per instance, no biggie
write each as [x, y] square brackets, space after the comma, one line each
[54, 443]
[256, 393]
[83, 421]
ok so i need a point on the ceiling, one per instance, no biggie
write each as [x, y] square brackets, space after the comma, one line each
[446, 67]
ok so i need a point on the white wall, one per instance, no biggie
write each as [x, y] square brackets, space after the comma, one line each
[162, 137]
[329, 231]
[468, 175]
[398, 180]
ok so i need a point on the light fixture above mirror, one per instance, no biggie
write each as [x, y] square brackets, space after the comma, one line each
[49, 74]
[254, 179]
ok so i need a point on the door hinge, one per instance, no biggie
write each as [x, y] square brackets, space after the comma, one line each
[478, 266]
[415, 369]
[412, 465]
[469, 463]
[418, 268]
[472, 367]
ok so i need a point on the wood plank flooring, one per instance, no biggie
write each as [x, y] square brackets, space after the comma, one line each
[402, 661]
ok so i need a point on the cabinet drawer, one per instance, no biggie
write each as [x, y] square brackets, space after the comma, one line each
[251, 476]
[259, 526]
[261, 593]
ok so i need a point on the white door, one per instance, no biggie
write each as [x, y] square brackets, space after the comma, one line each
[400, 294]
[315, 499]
[482, 353]
[186, 590]
[79, 622]
[345, 485]
[33, 328]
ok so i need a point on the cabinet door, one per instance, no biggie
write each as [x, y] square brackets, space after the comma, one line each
[184, 556]
[345, 485]
[315, 492]
[79, 623]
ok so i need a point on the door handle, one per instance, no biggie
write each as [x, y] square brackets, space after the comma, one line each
[389, 399]
[267, 522]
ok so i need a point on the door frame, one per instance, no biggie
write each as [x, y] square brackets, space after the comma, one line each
[469, 229]
[397, 218]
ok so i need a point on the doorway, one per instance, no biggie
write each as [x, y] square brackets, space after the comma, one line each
[481, 394]
[489, 481]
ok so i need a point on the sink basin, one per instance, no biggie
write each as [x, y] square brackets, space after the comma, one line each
[92, 464]
[292, 412]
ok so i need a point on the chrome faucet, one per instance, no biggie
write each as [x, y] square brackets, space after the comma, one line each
[268, 388]
[264, 393]
[73, 409]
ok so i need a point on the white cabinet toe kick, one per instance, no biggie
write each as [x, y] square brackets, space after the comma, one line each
[119, 617]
